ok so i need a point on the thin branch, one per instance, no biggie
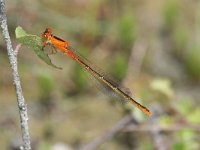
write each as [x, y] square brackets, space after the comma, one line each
[158, 140]
[158, 131]
[16, 81]
[16, 51]
[136, 59]
[109, 134]
[153, 128]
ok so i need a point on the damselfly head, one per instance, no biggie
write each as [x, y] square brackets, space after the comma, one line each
[47, 33]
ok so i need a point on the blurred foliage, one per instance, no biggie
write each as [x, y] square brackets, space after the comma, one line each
[45, 85]
[126, 31]
[193, 62]
[185, 140]
[166, 82]
[79, 78]
[163, 86]
[119, 68]
[170, 13]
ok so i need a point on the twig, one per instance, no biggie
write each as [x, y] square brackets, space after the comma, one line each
[136, 59]
[159, 142]
[157, 132]
[16, 80]
[109, 134]
[152, 128]
[16, 51]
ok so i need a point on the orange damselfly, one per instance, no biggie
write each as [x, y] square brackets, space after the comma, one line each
[65, 48]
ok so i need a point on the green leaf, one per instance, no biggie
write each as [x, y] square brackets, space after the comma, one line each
[35, 43]
[163, 86]
[193, 117]
[184, 106]
[165, 121]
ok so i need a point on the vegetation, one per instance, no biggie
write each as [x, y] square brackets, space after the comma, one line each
[151, 47]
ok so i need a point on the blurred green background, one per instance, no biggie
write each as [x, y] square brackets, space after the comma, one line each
[151, 47]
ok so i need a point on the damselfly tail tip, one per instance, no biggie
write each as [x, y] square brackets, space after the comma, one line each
[148, 113]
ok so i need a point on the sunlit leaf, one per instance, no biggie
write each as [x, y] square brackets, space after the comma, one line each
[183, 137]
[184, 107]
[35, 43]
[193, 117]
[165, 121]
[163, 86]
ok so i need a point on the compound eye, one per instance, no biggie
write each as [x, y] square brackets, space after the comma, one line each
[49, 30]
[47, 33]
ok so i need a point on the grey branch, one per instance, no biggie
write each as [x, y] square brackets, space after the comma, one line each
[158, 128]
[16, 80]
[109, 134]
